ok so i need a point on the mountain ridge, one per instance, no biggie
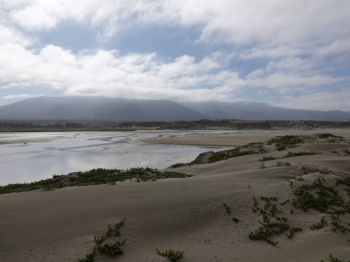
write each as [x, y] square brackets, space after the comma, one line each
[124, 110]
[262, 111]
[97, 108]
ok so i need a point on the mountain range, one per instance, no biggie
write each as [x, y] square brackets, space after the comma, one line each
[121, 110]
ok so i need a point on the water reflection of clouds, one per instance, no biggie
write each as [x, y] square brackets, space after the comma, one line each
[84, 151]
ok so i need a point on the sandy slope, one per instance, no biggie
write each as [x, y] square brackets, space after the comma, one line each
[180, 214]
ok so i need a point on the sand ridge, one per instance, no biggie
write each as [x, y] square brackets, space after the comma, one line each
[180, 214]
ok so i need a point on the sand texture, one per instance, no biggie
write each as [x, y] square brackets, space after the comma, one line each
[184, 214]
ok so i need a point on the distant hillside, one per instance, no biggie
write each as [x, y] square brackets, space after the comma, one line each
[122, 110]
[261, 111]
[97, 108]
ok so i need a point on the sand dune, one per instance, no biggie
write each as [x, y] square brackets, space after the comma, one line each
[180, 214]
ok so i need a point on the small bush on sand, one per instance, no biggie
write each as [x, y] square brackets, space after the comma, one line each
[174, 256]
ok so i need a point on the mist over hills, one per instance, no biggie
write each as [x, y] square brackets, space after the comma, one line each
[119, 110]
[97, 108]
[262, 111]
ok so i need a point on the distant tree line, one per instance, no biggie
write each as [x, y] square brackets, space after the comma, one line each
[30, 125]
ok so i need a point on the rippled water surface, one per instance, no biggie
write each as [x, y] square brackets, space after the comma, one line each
[82, 151]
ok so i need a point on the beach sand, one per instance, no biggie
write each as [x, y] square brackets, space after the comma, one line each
[7, 138]
[184, 214]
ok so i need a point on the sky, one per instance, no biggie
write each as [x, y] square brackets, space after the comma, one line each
[291, 53]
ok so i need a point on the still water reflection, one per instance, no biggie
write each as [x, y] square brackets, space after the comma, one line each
[82, 151]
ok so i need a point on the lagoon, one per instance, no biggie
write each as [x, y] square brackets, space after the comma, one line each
[81, 151]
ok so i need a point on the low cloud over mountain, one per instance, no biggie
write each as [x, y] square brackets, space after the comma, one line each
[118, 110]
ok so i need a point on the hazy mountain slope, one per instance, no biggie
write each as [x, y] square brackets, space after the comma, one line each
[97, 108]
[261, 111]
[117, 109]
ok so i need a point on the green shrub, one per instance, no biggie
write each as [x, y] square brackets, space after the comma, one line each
[178, 165]
[325, 135]
[174, 256]
[334, 259]
[292, 231]
[227, 154]
[285, 142]
[327, 196]
[112, 249]
[304, 153]
[89, 257]
[228, 211]
[267, 158]
[321, 224]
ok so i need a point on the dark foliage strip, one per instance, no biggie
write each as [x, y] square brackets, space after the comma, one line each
[93, 177]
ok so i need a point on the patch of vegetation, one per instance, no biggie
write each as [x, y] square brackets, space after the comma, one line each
[267, 230]
[256, 205]
[249, 186]
[93, 177]
[283, 164]
[235, 219]
[344, 180]
[228, 211]
[285, 142]
[285, 202]
[336, 224]
[174, 256]
[267, 158]
[274, 210]
[289, 154]
[334, 259]
[346, 151]
[268, 198]
[112, 249]
[269, 227]
[178, 165]
[326, 197]
[262, 165]
[325, 135]
[253, 145]
[89, 257]
[319, 225]
[292, 231]
[304, 153]
[108, 248]
[227, 154]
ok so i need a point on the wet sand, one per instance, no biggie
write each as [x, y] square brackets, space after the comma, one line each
[180, 214]
[26, 137]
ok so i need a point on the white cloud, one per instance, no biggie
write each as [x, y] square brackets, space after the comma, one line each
[286, 23]
[20, 96]
[318, 101]
[10, 35]
[288, 82]
[304, 44]
[107, 73]
[15, 85]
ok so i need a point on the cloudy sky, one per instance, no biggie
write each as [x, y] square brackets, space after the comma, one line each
[291, 53]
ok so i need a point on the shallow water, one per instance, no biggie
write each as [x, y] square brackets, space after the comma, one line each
[82, 151]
